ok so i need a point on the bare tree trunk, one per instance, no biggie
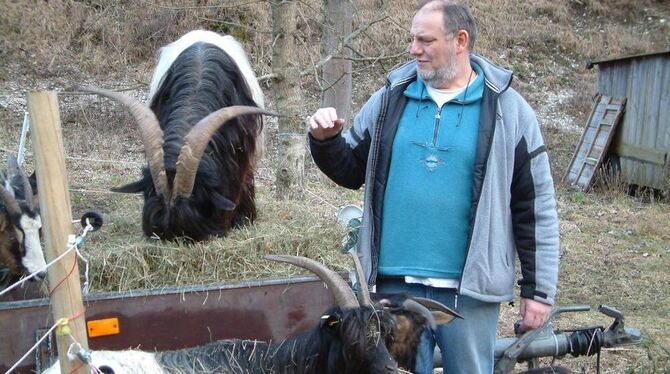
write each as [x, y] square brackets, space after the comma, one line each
[338, 20]
[286, 86]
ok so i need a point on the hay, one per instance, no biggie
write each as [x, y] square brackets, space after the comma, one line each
[122, 259]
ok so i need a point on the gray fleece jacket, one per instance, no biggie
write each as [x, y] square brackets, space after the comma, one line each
[513, 202]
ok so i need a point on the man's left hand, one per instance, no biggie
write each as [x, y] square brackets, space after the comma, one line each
[534, 313]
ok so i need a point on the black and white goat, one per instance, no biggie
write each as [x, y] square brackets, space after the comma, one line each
[350, 337]
[199, 181]
[20, 248]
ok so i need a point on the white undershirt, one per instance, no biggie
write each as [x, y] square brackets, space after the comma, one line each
[433, 282]
[440, 97]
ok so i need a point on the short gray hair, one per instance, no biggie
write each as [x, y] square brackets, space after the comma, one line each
[456, 17]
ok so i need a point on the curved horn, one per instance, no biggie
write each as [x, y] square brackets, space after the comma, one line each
[150, 130]
[196, 141]
[11, 205]
[364, 295]
[342, 293]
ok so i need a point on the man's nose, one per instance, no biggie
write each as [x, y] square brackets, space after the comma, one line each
[414, 49]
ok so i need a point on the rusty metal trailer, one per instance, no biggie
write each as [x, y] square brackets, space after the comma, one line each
[171, 318]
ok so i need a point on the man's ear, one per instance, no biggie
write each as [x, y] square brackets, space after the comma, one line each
[462, 39]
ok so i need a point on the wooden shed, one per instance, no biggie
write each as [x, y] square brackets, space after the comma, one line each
[641, 145]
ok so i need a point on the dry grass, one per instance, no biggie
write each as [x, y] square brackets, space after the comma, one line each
[615, 247]
[125, 260]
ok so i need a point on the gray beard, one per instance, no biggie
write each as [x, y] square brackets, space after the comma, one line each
[436, 78]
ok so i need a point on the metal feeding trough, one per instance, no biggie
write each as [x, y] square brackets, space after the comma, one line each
[170, 318]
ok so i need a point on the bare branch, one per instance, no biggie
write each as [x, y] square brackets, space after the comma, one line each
[308, 6]
[345, 43]
[380, 17]
[382, 57]
[376, 58]
[332, 83]
[316, 75]
[399, 25]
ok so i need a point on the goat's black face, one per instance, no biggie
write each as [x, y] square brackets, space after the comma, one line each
[194, 219]
[361, 332]
[403, 339]
[206, 213]
[410, 319]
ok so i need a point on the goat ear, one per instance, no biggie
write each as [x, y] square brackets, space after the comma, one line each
[441, 317]
[329, 321]
[223, 202]
[133, 187]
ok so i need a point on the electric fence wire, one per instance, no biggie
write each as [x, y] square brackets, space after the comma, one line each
[74, 244]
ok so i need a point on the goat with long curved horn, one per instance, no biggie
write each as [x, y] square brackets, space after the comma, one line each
[150, 130]
[200, 179]
[408, 315]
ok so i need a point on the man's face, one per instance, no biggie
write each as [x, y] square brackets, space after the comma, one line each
[433, 51]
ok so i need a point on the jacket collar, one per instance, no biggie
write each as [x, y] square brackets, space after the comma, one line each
[496, 78]
[417, 89]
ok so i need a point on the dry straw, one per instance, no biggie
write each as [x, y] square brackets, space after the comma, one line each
[122, 259]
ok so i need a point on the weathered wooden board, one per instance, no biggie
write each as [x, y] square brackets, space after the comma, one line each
[595, 141]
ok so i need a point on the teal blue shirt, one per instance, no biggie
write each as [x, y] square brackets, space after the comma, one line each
[426, 209]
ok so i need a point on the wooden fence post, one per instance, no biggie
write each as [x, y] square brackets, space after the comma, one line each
[66, 299]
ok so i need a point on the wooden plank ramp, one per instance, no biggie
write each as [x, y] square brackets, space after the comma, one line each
[595, 141]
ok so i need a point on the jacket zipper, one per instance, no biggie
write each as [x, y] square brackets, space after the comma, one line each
[438, 116]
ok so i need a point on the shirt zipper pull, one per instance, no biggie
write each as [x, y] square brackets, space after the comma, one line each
[438, 115]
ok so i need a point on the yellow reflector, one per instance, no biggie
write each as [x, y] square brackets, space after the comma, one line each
[103, 327]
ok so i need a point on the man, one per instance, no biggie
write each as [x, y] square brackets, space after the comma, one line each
[457, 181]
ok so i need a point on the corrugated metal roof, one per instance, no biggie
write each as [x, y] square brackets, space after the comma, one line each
[593, 63]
